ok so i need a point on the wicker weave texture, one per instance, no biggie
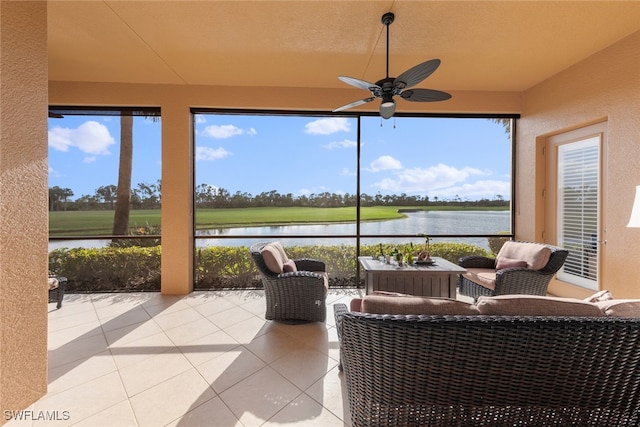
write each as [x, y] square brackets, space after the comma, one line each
[490, 371]
[512, 280]
[295, 296]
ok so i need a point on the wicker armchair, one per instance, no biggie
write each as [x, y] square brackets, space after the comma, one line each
[416, 370]
[56, 285]
[516, 280]
[293, 296]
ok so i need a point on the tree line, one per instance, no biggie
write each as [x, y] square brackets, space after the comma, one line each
[148, 196]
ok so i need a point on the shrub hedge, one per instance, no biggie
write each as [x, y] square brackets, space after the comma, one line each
[131, 269]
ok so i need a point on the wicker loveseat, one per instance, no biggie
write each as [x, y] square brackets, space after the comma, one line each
[519, 268]
[492, 370]
[294, 290]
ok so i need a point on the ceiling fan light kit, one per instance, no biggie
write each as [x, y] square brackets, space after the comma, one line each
[389, 87]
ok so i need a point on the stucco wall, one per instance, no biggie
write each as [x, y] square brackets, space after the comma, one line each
[23, 204]
[604, 86]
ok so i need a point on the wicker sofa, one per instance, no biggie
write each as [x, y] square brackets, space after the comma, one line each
[493, 369]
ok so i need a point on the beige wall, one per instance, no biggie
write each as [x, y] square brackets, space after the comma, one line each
[604, 86]
[23, 209]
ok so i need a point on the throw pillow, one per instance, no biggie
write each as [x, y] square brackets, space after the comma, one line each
[272, 258]
[504, 262]
[289, 266]
[620, 307]
[603, 295]
[534, 305]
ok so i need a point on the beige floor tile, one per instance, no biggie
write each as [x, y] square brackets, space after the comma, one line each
[230, 368]
[189, 332]
[213, 413]
[84, 400]
[108, 307]
[313, 334]
[172, 353]
[152, 371]
[72, 320]
[177, 318]
[305, 412]
[330, 391]
[208, 347]
[171, 399]
[164, 305]
[131, 317]
[259, 397]
[72, 374]
[230, 317]
[304, 366]
[78, 349]
[60, 337]
[273, 345]
[118, 415]
[131, 333]
[214, 306]
[247, 330]
[138, 350]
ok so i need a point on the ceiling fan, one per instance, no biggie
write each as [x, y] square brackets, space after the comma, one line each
[389, 87]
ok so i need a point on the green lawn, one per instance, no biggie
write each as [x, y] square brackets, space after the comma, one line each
[96, 223]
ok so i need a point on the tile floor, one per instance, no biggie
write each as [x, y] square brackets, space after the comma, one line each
[204, 359]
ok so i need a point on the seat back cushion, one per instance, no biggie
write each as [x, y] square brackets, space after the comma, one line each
[620, 307]
[532, 305]
[273, 256]
[536, 255]
[385, 304]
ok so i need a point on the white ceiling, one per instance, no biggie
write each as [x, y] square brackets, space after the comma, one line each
[483, 45]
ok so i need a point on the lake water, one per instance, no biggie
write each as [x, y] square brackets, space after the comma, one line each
[423, 222]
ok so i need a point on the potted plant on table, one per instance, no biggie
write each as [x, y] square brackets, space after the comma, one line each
[425, 255]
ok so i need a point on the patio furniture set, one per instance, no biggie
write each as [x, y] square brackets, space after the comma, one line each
[513, 356]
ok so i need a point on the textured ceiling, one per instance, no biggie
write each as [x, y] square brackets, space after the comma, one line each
[483, 45]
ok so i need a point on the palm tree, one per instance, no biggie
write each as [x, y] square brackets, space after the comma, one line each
[123, 193]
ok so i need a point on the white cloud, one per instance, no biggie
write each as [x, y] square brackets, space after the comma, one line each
[439, 178]
[478, 190]
[200, 119]
[89, 159]
[384, 163]
[226, 131]
[54, 172]
[327, 126]
[90, 137]
[345, 143]
[208, 153]
[347, 172]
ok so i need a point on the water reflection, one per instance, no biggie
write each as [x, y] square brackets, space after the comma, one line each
[424, 222]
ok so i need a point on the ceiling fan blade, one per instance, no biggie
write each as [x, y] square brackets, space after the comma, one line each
[416, 74]
[354, 104]
[425, 95]
[362, 84]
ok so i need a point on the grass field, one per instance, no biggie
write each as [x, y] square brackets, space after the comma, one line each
[99, 223]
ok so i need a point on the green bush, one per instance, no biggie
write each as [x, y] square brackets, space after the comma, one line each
[108, 269]
[495, 243]
[216, 267]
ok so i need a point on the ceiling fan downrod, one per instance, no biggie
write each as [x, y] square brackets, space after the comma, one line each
[387, 19]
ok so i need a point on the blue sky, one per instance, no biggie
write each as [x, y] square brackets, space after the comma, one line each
[438, 157]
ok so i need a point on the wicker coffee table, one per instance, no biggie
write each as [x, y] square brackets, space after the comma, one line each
[437, 280]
